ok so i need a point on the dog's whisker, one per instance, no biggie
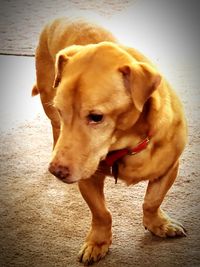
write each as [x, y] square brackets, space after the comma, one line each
[49, 104]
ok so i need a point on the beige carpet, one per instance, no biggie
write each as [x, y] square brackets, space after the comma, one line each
[43, 222]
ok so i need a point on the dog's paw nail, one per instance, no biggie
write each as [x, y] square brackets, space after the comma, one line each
[183, 233]
[90, 254]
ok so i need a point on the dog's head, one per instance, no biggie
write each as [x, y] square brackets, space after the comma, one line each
[101, 89]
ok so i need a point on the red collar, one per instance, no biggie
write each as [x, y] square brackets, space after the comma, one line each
[115, 155]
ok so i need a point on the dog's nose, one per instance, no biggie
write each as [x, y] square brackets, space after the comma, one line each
[59, 171]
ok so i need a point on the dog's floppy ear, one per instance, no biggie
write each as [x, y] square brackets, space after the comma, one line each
[62, 58]
[141, 80]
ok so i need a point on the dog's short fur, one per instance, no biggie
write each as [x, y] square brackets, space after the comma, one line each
[102, 96]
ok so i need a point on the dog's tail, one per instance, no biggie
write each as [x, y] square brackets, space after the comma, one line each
[35, 90]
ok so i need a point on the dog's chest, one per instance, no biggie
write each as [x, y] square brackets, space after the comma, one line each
[135, 168]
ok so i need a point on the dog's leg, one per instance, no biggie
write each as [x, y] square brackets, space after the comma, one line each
[154, 219]
[100, 236]
[52, 114]
[45, 76]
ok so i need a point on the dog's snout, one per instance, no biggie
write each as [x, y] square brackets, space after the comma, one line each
[59, 171]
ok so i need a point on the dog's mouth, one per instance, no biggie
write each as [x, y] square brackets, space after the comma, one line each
[69, 175]
[69, 181]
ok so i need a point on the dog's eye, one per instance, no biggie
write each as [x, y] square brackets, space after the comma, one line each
[95, 118]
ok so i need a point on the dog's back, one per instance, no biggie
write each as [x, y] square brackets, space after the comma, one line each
[63, 32]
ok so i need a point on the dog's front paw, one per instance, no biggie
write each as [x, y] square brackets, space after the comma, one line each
[91, 252]
[163, 226]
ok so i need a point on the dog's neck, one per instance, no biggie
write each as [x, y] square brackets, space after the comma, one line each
[138, 132]
[114, 156]
[153, 122]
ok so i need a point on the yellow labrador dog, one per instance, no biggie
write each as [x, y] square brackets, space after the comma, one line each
[112, 113]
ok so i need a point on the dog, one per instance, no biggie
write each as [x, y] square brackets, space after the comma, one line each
[112, 114]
